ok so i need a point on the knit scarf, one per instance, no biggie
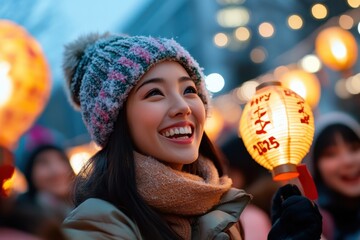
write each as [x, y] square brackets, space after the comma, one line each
[178, 195]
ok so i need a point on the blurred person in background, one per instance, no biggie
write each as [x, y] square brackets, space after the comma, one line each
[335, 163]
[43, 160]
[247, 173]
[20, 220]
[253, 178]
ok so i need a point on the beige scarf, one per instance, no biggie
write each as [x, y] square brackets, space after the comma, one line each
[175, 193]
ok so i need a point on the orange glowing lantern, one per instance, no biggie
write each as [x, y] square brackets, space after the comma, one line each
[24, 82]
[305, 84]
[277, 127]
[337, 48]
[79, 155]
[214, 124]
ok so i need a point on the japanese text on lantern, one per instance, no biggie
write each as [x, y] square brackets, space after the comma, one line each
[305, 117]
[260, 112]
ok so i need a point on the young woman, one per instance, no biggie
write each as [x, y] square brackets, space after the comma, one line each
[336, 167]
[157, 176]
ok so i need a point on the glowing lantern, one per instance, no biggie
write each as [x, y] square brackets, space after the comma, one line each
[24, 82]
[277, 128]
[214, 124]
[80, 154]
[337, 48]
[303, 83]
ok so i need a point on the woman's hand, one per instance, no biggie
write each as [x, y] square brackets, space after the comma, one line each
[294, 216]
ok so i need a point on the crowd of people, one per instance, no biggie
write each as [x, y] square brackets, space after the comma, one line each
[157, 174]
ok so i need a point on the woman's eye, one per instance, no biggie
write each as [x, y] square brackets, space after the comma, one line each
[190, 89]
[330, 152]
[154, 92]
[354, 147]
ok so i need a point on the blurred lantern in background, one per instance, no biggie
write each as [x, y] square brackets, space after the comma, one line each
[277, 128]
[336, 48]
[79, 155]
[214, 124]
[24, 82]
[305, 84]
[229, 109]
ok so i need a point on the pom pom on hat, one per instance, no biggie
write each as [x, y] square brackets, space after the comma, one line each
[73, 54]
[101, 70]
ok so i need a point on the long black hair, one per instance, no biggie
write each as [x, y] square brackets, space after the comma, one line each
[110, 175]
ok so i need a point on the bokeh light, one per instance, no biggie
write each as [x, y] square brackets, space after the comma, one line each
[242, 34]
[266, 29]
[246, 91]
[214, 124]
[295, 22]
[214, 82]
[258, 55]
[346, 22]
[233, 17]
[354, 3]
[337, 48]
[319, 11]
[311, 63]
[340, 89]
[305, 84]
[221, 39]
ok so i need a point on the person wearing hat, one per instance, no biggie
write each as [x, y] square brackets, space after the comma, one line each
[334, 160]
[21, 219]
[157, 175]
[41, 157]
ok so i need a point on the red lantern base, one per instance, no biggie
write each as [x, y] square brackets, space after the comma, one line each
[284, 172]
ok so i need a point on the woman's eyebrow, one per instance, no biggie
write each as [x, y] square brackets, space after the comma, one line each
[185, 78]
[151, 80]
[161, 80]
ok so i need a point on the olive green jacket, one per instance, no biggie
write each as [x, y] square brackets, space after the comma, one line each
[98, 219]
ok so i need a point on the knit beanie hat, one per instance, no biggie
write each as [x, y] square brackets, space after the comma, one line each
[36, 138]
[101, 70]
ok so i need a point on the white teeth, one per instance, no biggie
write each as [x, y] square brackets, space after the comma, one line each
[179, 130]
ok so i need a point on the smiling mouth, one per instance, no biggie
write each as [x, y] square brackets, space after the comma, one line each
[178, 132]
[351, 177]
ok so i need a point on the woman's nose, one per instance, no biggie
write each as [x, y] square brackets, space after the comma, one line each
[179, 107]
[348, 157]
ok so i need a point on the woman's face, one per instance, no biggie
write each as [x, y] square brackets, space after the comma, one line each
[52, 174]
[339, 167]
[166, 116]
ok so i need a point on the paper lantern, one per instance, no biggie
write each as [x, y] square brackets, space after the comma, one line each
[305, 84]
[336, 48]
[79, 155]
[214, 124]
[277, 127]
[24, 82]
